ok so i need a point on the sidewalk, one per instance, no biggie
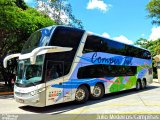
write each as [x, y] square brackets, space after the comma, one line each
[156, 81]
[5, 90]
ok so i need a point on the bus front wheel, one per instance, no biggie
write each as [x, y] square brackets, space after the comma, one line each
[98, 92]
[82, 94]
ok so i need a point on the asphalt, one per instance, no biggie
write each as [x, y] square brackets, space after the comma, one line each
[127, 102]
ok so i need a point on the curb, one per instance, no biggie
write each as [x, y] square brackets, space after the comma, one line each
[156, 81]
[6, 93]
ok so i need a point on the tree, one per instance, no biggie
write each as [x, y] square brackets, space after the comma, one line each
[153, 46]
[153, 8]
[21, 4]
[142, 43]
[60, 11]
[17, 22]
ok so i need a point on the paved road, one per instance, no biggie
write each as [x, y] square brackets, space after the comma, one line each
[145, 101]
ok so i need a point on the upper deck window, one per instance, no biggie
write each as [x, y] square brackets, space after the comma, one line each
[66, 37]
[99, 44]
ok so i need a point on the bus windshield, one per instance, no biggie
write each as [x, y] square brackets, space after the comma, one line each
[37, 39]
[29, 74]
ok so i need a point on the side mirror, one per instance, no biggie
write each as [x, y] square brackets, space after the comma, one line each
[8, 58]
[46, 49]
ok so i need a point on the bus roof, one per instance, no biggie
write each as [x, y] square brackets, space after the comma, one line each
[63, 26]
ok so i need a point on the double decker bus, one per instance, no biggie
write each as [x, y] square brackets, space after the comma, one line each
[60, 64]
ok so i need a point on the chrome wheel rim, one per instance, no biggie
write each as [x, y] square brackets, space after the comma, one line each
[143, 84]
[138, 85]
[97, 91]
[80, 94]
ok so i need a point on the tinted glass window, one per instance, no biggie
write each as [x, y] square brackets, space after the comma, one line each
[99, 44]
[137, 52]
[146, 54]
[37, 39]
[93, 44]
[115, 47]
[32, 42]
[65, 37]
[132, 51]
[98, 71]
[93, 71]
[54, 70]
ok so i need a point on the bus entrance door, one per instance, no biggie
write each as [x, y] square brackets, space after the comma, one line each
[54, 77]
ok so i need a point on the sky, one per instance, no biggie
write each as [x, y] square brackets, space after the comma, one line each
[121, 20]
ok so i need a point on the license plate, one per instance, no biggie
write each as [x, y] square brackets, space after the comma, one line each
[21, 101]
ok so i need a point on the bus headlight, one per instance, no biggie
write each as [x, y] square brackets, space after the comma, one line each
[33, 92]
[37, 91]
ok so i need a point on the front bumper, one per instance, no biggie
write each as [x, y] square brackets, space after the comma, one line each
[28, 99]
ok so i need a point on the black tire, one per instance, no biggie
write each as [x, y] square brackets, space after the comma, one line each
[138, 85]
[98, 92]
[144, 84]
[82, 94]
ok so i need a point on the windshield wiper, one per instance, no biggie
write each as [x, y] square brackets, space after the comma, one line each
[19, 84]
[32, 83]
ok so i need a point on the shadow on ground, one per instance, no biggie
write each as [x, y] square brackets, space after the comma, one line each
[6, 96]
[63, 107]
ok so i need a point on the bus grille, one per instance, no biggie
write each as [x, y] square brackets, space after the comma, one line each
[22, 94]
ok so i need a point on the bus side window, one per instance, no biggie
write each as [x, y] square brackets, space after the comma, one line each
[92, 44]
[146, 55]
[91, 71]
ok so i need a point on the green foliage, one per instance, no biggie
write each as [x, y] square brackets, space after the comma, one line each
[61, 7]
[142, 42]
[153, 46]
[17, 22]
[153, 8]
